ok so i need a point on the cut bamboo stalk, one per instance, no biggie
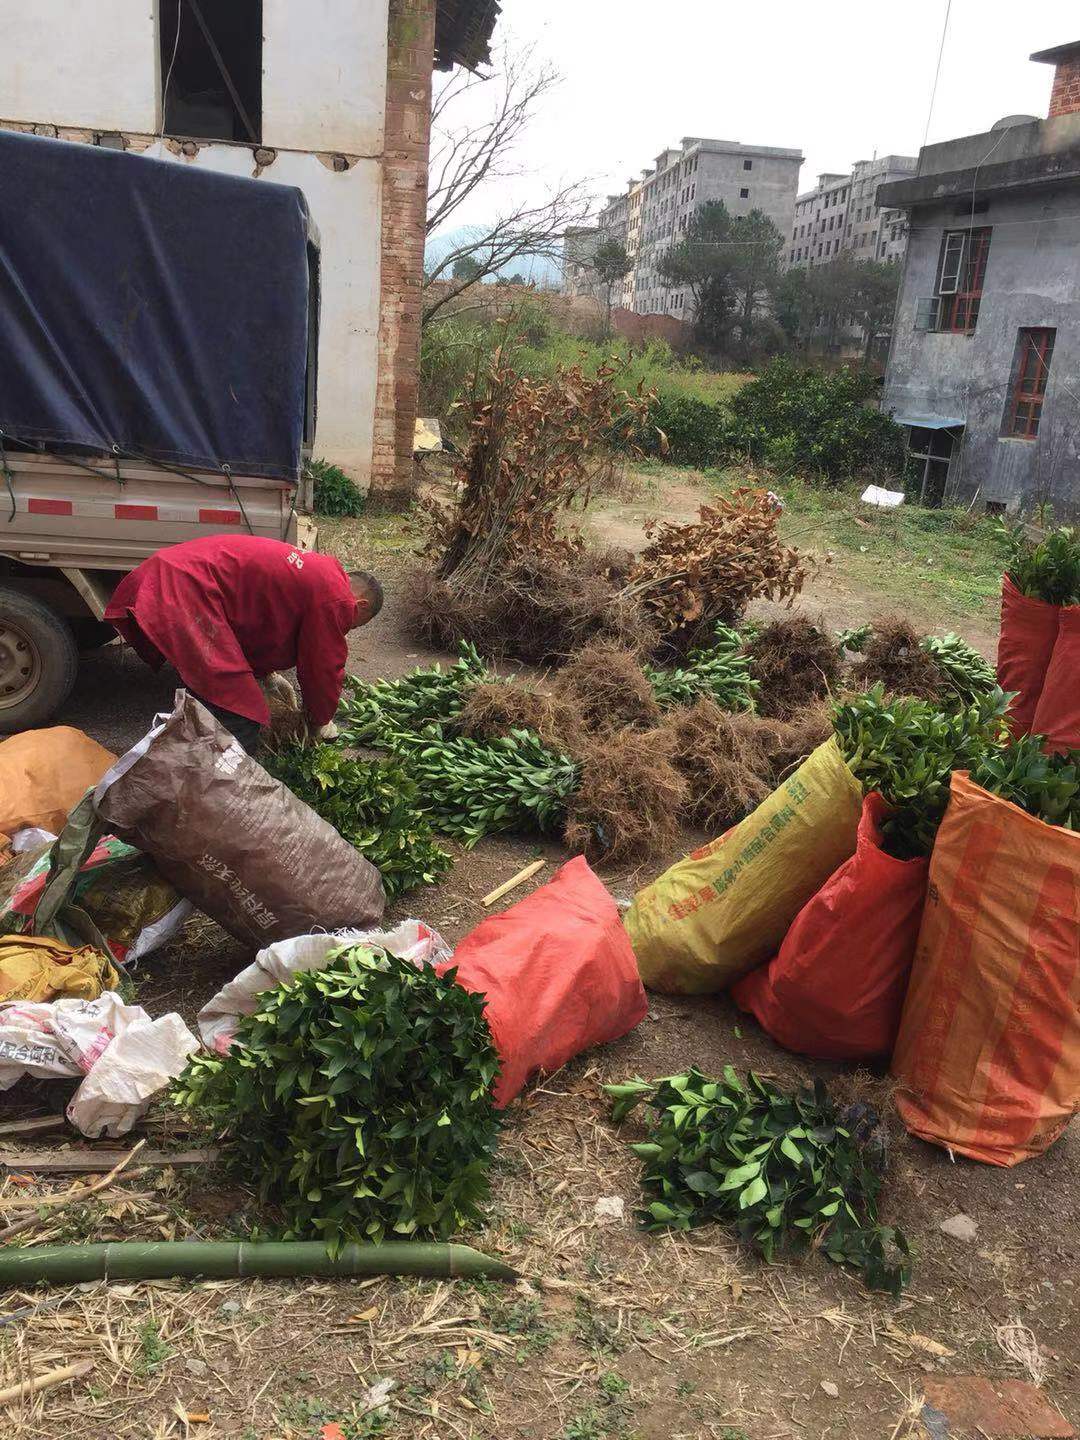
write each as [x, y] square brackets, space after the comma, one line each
[514, 882]
[48, 1381]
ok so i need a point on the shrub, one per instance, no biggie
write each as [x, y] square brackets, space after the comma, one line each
[335, 493]
[792, 418]
[686, 431]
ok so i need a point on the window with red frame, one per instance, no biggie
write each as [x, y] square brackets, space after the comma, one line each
[1031, 369]
[961, 272]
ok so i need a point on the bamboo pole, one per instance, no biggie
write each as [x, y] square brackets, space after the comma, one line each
[48, 1381]
[230, 1259]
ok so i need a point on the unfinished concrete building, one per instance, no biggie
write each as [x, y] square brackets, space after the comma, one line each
[985, 362]
[842, 215]
[653, 213]
[333, 97]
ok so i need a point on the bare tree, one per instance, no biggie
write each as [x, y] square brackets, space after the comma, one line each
[467, 154]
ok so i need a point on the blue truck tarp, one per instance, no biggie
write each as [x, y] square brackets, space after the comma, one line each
[153, 310]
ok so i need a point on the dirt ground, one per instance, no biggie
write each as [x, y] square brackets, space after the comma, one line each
[612, 1332]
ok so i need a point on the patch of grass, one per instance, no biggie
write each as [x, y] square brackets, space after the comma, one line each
[153, 1352]
[588, 1425]
[613, 1385]
[945, 555]
[305, 1414]
[595, 1330]
[523, 1321]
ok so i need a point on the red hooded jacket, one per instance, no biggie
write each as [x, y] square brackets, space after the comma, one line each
[228, 610]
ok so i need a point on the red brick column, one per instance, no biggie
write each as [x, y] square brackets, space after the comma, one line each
[404, 208]
[1065, 96]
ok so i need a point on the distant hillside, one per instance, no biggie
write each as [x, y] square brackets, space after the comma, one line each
[537, 269]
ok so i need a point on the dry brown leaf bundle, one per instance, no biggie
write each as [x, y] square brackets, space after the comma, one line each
[690, 576]
[607, 685]
[535, 448]
[892, 655]
[629, 799]
[794, 663]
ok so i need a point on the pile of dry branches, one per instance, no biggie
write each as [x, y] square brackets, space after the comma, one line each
[691, 576]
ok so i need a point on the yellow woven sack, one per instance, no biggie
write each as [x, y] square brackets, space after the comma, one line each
[38, 968]
[726, 908]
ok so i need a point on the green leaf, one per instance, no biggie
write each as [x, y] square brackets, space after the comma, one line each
[755, 1191]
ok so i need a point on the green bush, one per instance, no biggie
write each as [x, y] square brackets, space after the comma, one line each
[819, 422]
[686, 431]
[335, 493]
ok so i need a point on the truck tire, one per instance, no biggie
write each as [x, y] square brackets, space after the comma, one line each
[38, 661]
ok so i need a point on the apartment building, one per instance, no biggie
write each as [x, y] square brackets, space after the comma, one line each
[842, 214]
[655, 210]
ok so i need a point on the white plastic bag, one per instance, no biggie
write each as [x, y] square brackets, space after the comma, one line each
[69, 1038]
[411, 940]
[132, 1070]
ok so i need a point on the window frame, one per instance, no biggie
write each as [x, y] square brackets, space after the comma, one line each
[961, 276]
[1031, 375]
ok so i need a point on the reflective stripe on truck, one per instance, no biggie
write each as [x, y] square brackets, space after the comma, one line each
[105, 509]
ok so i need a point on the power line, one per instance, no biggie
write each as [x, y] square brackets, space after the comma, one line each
[937, 71]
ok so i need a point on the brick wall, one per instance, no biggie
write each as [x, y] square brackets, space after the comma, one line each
[1065, 96]
[640, 328]
[404, 210]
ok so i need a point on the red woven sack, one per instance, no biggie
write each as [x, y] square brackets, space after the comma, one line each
[558, 973]
[835, 990]
[1029, 630]
[1057, 715]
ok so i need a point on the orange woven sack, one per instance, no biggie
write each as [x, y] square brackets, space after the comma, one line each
[988, 1055]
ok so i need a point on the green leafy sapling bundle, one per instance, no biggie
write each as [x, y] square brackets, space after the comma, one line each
[907, 750]
[359, 1099]
[372, 803]
[788, 1171]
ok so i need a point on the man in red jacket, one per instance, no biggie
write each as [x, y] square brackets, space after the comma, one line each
[229, 610]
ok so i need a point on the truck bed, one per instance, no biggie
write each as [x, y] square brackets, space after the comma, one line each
[104, 515]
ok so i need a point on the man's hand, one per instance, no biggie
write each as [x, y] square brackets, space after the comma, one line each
[325, 732]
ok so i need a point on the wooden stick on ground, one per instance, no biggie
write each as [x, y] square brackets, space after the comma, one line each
[48, 1381]
[87, 1162]
[35, 1126]
[69, 1197]
[514, 882]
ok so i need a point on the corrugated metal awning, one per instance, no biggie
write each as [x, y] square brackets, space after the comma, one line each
[930, 422]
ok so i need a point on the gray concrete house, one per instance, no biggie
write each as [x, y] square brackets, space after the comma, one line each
[985, 360]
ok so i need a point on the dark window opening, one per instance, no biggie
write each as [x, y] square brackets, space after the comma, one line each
[934, 448]
[747, 164]
[1031, 370]
[211, 68]
[961, 272]
[744, 194]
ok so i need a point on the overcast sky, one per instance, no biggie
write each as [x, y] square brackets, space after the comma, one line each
[840, 79]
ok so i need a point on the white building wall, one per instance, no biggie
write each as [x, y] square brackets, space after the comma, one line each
[91, 64]
[94, 66]
[324, 74]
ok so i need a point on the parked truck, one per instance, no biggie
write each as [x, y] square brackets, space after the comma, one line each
[158, 359]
